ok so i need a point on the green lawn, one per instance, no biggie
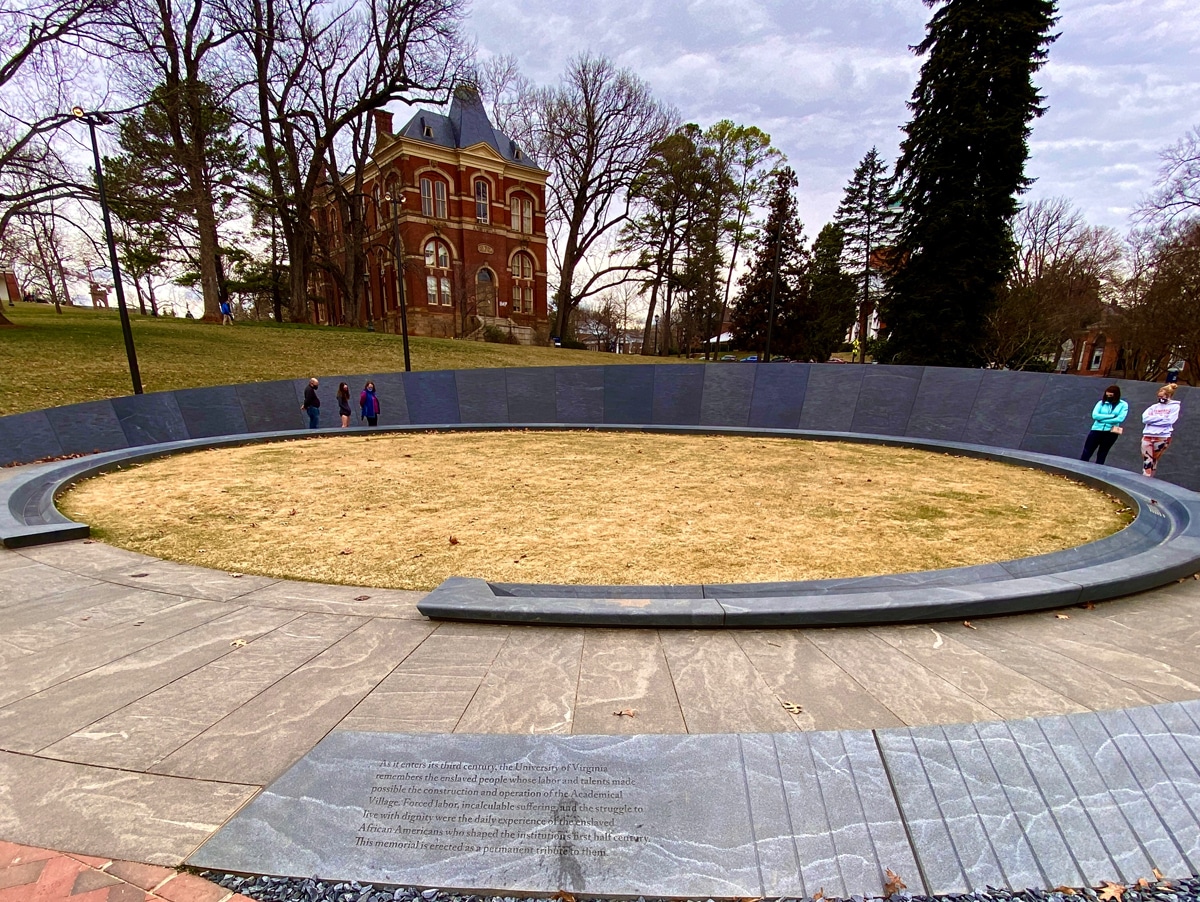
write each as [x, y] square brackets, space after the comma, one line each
[48, 360]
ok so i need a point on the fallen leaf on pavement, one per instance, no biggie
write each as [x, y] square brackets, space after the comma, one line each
[1062, 616]
[628, 712]
[1065, 890]
[237, 643]
[1111, 892]
[361, 597]
[792, 708]
[969, 625]
[893, 884]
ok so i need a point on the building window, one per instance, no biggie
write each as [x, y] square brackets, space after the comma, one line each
[439, 199]
[485, 292]
[437, 280]
[1097, 354]
[481, 201]
[426, 197]
[522, 293]
[522, 215]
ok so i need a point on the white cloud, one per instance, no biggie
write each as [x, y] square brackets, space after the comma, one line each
[830, 79]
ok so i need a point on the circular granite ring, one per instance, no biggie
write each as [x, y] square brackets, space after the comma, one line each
[1162, 544]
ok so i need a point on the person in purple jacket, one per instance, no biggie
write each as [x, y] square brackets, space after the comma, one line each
[368, 404]
[1158, 422]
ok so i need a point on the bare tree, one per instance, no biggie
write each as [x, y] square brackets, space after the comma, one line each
[1176, 194]
[312, 68]
[594, 131]
[1065, 272]
[1161, 322]
[42, 56]
[178, 153]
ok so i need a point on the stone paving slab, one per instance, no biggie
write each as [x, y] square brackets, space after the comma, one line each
[1062, 800]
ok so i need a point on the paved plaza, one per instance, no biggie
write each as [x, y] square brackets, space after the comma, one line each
[143, 703]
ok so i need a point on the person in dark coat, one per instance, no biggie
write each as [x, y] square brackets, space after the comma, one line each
[343, 401]
[312, 404]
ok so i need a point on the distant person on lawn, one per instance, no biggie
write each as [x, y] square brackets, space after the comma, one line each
[226, 314]
[1158, 422]
[368, 405]
[1107, 416]
[312, 404]
[343, 399]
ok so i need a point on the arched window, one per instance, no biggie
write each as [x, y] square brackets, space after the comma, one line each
[522, 291]
[433, 197]
[1097, 353]
[393, 197]
[482, 204]
[437, 272]
[485, 292]
[522, 214]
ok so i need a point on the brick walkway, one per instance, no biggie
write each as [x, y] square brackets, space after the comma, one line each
[29, 874]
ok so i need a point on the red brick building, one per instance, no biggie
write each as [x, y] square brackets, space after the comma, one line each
[470, 211]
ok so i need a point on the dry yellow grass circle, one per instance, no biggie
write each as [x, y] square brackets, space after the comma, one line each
[408, 510]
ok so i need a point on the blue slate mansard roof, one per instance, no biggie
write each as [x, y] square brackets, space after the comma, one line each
[466, 125]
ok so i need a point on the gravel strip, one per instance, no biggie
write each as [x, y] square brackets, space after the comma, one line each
[294, 889]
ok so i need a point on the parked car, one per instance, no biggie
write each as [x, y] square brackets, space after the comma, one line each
[753, 358]
[729, 356]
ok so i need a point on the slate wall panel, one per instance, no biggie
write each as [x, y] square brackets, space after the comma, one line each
[1003, 405]
[885, 399]
[482, 396]
[150, 419]
[831, 396]
[26, 437]
[213, 411]
[727, 394]
[272, 406]
[579, 394]
[531, 395]
[432, 397]
[1062, 416]
[779, 392]
[678, 392]
[629, 394]
[943, 403]
[84, 428]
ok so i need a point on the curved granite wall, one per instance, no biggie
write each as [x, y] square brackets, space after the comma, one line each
[1031, 411]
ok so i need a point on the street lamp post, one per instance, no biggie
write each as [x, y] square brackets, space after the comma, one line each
[774, 285]
[92, 120]
[656, 336]
[398, 251]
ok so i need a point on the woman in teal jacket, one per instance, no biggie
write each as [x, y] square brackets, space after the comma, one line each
[1107, 416]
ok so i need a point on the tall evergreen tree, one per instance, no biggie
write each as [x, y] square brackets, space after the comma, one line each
[868, 224]
[960, 168]
[824, 311]
[779, 252]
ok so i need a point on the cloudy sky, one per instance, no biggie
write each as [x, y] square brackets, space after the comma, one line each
[829, 78]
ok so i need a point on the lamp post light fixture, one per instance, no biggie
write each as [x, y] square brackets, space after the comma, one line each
[92, 120]
[367, 297]
[656, 335]
[398, 251]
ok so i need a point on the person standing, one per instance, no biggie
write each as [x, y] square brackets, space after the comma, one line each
[1107, 416]
[1158, 423]
[343, 402]
[368, 404]
[226, 314]
[312, 404]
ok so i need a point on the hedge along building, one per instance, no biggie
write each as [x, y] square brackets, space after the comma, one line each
[469, 209]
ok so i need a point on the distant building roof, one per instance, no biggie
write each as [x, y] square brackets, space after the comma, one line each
[466, 125]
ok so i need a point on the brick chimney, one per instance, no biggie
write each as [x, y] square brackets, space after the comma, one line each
[383, 122]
